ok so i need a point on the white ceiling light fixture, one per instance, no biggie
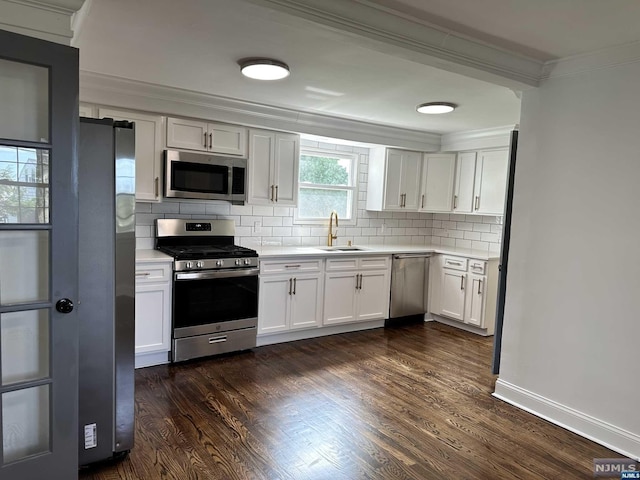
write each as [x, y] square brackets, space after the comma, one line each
[264, 69]
[435, 108]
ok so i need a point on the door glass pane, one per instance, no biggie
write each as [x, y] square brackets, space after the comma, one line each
[24, 266]
[25, 417]
[24, 185]
[25, 345]
[24, 96]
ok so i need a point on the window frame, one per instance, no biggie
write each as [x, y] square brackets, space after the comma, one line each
[355, 160]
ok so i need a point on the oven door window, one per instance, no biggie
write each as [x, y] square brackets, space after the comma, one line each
[199, 177]
[201, 302]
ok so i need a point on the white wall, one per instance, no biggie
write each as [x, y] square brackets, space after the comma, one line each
[572, 323]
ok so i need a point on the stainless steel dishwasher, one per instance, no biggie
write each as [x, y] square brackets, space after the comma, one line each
[409, 284]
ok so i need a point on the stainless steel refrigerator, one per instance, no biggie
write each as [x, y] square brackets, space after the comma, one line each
[106, 309]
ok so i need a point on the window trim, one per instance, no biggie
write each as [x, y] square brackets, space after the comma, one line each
[355, 160]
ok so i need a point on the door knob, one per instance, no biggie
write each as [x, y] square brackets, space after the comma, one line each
[64, 305]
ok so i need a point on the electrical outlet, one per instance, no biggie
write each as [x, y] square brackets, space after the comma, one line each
[257, 227]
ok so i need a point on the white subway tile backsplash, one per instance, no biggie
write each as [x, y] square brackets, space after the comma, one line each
[264, 211]
[165, 207]
[144, 231]
[145, 243]
[272, 221]
[192, 208]
[472, 235]
[490, 237]
[480, 245]
[143, 207]
[218, 208]
[282, 211]
[281, 231]
[481, 227]
[291, 241]
[463, 243]
[241, 210]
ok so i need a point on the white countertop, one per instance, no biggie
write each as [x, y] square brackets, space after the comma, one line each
[293, 251]
[152, 256]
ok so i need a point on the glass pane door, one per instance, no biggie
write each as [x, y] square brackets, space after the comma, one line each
[38, 259]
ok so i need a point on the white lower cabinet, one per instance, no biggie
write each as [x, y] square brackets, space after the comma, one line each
[153, 312]
[465, 290]
[356, 289]
[290, 301]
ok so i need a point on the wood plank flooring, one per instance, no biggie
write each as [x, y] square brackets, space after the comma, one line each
[410, 402]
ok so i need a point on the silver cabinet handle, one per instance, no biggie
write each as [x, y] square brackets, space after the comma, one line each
[276, 193]
[423, 201]
[272, 193]
[461, 282]
[360, 281]
[449, 262]
[205, 139]
[455, 202]
[210, 140]
[477, 202]
[290, 284]
[143, 274]
[218, 339]
[292, 266]
[295, 280]
[155, 186]
[479, 282]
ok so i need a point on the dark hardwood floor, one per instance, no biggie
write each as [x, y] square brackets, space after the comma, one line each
[410, 402]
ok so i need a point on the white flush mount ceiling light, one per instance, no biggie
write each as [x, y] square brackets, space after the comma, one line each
[264, 69]
[434, 108]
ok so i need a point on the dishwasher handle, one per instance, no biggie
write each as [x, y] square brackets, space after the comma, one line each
[412, 255]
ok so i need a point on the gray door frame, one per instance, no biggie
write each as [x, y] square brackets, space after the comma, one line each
[62, 61]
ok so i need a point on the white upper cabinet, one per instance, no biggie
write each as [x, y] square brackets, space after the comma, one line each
[491, 181]
[273, 168]
[394, 179]
[438, 172]
[481, 182]
[148, 130]
[463, 189]
[207, 137]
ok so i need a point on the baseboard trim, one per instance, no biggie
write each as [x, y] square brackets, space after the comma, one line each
[608, 435]
[318, 332]
[151, 359]
[461, 325]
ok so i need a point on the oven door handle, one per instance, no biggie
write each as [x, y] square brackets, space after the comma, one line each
[240, 272]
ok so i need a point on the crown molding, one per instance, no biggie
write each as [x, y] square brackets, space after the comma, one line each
[136, 95]
[592, 61]
[477, 139]
[391, 31]
[47, 20]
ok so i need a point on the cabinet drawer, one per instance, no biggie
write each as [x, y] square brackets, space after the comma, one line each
[477, 266]
[374, 263]
[153, 272]
[350, 263]
[454, 263]
[293, 265]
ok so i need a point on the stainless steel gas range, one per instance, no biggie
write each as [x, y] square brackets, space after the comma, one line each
[215, 288]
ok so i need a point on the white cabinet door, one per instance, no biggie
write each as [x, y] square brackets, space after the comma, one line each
[306, 302]
[261, 164]
[438, 174]
[465, 175]
[373, 295]
[287, 154]
[411, 168]
[274, 304]
[452, 294]
[187, 134]
[491, 181]
[474, 308]
[339, 298]
[86, 110]
[148, 151]
[227, 139]
[393, 180]
[153, 318]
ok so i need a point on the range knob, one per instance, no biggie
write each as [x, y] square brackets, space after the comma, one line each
[238, 261]
[199, 264]
[219, 263]
[189, 265]
[247, 261]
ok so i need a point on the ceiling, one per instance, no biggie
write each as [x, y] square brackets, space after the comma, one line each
[195, 45]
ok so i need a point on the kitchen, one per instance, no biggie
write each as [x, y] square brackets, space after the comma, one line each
[535, 337]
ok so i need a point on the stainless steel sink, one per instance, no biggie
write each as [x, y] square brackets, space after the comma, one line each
[342, 249]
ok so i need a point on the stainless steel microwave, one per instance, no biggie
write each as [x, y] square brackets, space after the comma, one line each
[204, 176]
